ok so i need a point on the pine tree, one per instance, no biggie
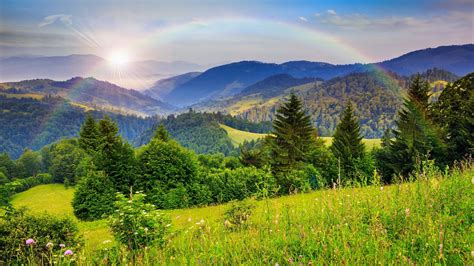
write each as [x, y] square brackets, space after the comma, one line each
[416, 138]
[89, 135]
[116, 157]
[161, 133]
[347, 145]
[291, 138]
[454, 113]
[419, 93]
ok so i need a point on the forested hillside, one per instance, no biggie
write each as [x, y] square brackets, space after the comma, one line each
[376, 96]
[34, 123]
[202, 133]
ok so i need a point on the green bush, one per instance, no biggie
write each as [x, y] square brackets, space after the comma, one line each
[238, 184]
[20, 185]
[237, 215]
[17, 227]
[137, 224]
[167, 169]
[94, 196]
[295, 181]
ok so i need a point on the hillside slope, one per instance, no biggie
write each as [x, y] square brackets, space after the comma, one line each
[92, 92]
[33, 123]
[391, 222]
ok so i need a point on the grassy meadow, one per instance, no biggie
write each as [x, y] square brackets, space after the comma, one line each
[422, 222]
[239, 136]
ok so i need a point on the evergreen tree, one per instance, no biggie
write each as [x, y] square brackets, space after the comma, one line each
[415, 139]
[89, 135]
[454, 113]
[419, 93]
[291, 138]
[116, 157]
[347, 145]
[161, 133]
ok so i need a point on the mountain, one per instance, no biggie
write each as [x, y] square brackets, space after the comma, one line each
[458, 59]
[163, 87]
[275, 85]
[231, 79]
[138, 74]
[93, 93]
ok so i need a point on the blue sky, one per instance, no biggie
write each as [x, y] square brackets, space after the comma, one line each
[210, 32]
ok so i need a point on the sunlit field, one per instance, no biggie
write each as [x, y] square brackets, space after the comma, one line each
[422, 222]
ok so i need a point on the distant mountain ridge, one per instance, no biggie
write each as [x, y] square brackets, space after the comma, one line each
[136, 74]
[92, 92]
[231, 79]
[163, 87]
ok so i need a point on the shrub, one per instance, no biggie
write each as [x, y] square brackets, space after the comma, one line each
[166, 166]
[238, 214]
[295, 181]
[20, 185]
[137, 224]
[237, 184]
[16, 228]
[94, 196]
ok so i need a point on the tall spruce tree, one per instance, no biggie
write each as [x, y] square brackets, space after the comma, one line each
[116, 157]
[89, 135]
[161, 133]
[291, 138]
[416, 138]
[454, 113]
[347, 145]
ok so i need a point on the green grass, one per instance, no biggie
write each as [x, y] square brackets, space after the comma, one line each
[398, 224]
[55, 199]
[239, 136]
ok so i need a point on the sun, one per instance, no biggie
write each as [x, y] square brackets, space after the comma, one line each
[118, 58]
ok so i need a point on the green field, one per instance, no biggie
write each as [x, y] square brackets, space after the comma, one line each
[239, 136]
[401, 224]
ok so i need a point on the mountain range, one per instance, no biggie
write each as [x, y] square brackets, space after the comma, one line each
[231, 79]
[136, 75]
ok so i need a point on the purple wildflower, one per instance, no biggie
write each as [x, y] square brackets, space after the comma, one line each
[62, 245]
[68, 252]
[30, 241]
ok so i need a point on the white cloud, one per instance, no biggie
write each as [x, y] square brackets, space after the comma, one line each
[65, 19]
[303, 19]
[331, 12]
[358, 21]
[199, 22]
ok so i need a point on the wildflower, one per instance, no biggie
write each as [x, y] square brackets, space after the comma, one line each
[49, 245]
[30, 241]
[407, 212]
[300, 256]
[472, 253]
[276, 264]
[290, 260]
[381, 188]
[472, 180]
[62, 245]
[68, 252]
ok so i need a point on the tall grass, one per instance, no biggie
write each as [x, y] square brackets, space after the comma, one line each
[427, 221]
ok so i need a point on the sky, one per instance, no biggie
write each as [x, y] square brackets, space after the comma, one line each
[213, 32]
